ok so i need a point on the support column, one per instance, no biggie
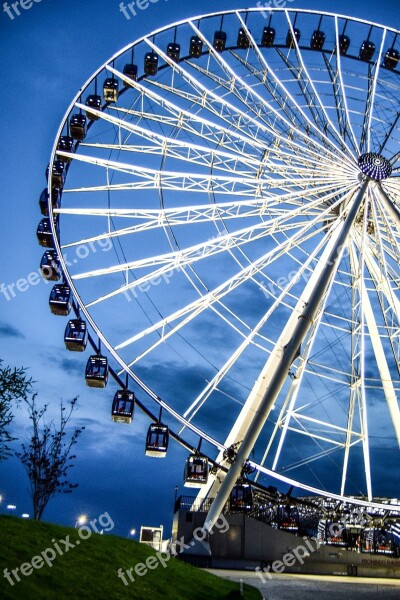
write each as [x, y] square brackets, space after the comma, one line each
[388, 203]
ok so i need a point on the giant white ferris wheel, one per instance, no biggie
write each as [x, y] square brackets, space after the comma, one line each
[243, 170]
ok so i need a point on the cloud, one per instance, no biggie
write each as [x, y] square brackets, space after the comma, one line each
[10, 331]
[72, 366]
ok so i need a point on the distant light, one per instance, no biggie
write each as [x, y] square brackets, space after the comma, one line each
[11, 507]
[25, 516]
[82, 520]
[132, 532]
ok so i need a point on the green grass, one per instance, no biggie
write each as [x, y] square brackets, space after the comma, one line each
[90, 569]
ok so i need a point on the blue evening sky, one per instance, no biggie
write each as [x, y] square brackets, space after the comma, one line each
[47, 52]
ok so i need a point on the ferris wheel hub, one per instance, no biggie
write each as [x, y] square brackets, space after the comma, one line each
[375, 166]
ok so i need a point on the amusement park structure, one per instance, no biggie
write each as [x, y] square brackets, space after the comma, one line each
[245, 172]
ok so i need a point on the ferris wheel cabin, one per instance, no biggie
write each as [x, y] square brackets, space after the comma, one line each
[65, 144]
[291, 36]
[44, 233]
[196, 471]
[241, 498]
[367, 51]
[77, 127]
[151, 63]
[110, 90]
[391, 59]
[93, 101]
[219, 41]
[243, 40]
[50, 267]
[344, 44]
[288, 518]
[60, 300]
[173, 51]
[123, 406]
[57, 174]
[96, 373]
[44, 200]
[379, 540]
[317, 40]
[130, 70]
[157, 440]
[76, 335]
[196, 47]
[268, 37]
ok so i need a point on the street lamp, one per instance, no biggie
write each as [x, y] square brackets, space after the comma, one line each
[132, 533]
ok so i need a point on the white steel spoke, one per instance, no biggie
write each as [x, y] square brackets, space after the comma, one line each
[231, 283]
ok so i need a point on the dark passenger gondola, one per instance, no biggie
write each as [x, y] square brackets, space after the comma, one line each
[76, 335]
[60, 300]
[243, 40]
[289, 38]
[196, 47]
[96, 373]
[317, 40]
[157, 440]
[93, 101]
[57, 174]
[367, 51]
[50, 266]
[123, 406]
[44, 200]
[65, 144]
[173, 51]
[241, 498]
[196, 471]
[391, 59]
[77, 127]
[344, 44]
[151, 63]
[130, 70]
[288, 518]
[219, 41]
[268, 37]
[44, 233]
[110, 90]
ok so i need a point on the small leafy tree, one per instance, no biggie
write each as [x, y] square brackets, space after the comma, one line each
[47, 457]
[14, 386]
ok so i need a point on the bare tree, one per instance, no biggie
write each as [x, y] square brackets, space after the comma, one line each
[47, 457]
[14, 386]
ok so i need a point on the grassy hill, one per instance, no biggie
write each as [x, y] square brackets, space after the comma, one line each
[90, 569]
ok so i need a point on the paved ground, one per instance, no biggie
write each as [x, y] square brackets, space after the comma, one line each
[311, 587]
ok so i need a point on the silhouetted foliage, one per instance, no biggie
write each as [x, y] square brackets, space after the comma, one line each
[14, 386]
[47, 457]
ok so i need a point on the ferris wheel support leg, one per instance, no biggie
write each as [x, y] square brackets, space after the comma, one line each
[389, 204]
[283, 367]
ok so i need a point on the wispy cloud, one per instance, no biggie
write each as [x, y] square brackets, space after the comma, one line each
[10, 331]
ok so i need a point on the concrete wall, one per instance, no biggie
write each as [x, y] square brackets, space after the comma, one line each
[248, 544]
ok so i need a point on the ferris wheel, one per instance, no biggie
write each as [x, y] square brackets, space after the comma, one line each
[223, 206]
